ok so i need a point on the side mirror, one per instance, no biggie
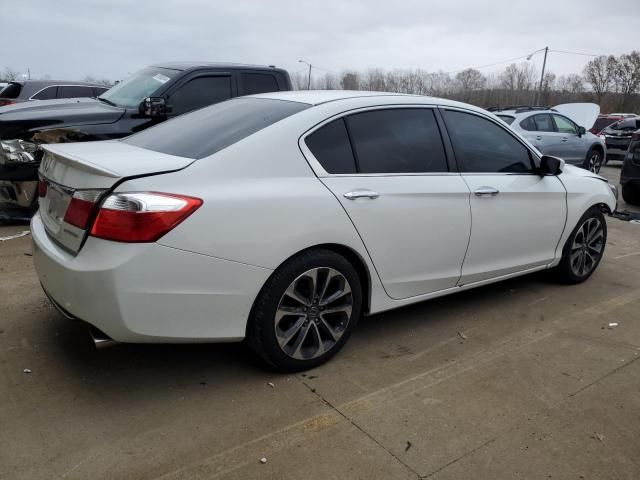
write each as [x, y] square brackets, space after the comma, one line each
[154, 107]
[551, 165]
[581, 131]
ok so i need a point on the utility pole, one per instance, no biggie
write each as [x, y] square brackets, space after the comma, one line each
[544, 64]
[309, 79]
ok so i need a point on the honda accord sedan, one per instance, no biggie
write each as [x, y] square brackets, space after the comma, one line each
[282, 218]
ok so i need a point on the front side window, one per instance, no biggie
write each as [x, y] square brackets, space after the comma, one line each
[259, 83]
[206, 131]
[544, 123]
[483, 146]
[331, 147]
[132, 90]
[403, 140]
[74, 91]
[565, 125]
[48, 93]
[200, 92]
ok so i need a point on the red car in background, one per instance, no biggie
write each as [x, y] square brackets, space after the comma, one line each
[604, 120]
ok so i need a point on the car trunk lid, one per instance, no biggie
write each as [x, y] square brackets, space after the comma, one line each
[584, 114]
[75, 177]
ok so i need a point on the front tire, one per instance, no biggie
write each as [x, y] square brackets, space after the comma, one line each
[306, 311]
[584, 248]
[593, 162]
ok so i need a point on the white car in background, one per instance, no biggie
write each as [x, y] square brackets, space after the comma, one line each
[281, 218]
[561, 131]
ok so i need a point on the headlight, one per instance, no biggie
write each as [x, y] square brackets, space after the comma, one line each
[17, 151]
[614, 190]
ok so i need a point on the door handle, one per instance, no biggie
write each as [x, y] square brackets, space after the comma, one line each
[564, 139]
[486, 192]
[538, 137]
[361, 194]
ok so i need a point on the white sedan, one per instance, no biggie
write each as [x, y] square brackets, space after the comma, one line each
[281, 218]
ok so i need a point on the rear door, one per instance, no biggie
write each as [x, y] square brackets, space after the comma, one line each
[518, 216]
[388, 169]
[541, 132]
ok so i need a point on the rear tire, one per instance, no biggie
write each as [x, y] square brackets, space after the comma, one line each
[306, 311]
[584, 248]
[593, 162]
[630, 194]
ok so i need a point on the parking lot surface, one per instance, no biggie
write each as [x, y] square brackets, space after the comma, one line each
[520, 379]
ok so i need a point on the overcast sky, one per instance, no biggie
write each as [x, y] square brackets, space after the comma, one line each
[69, 39]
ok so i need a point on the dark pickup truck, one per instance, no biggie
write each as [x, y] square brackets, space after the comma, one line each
[150, 96]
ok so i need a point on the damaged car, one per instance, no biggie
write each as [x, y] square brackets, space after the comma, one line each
[148, 97]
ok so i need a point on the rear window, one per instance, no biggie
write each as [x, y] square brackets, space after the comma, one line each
[11, 91]
[208, 130]
[602, 123]
[508, 119]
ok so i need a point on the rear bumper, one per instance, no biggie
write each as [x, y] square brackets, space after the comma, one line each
[148, 292]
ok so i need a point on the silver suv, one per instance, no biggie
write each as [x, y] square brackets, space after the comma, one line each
[560, 131]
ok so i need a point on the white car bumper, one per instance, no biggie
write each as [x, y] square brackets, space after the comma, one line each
[148, 292]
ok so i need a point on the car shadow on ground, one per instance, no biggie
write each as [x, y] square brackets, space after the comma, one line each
[152, 367]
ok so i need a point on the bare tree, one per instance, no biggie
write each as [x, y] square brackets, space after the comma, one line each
[470, 79]
[571, 83]
[9, 75]
[599, 73]
[627, 75]
[350, 81]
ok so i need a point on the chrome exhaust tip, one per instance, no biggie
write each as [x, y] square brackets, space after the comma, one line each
[100, 339]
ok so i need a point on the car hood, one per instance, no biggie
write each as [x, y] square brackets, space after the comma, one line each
[29, 116]
[581, 172]
[584, 114]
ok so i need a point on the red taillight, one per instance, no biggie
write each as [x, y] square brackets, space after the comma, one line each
[6, 102]
[42, 188]
[80, 207]
[141, 216]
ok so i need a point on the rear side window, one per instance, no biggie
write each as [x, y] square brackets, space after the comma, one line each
[331, 147]
[405, 140]
[483, 146]
[544, 123]
[200, 92]
[74, 91]
[259, 83]
[528, 124]
[12, 90]
[48, 93]
[508, 119]
[97, 91]
[209, 130]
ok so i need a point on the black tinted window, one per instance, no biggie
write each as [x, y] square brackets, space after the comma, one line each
[483, 146]
[200, 92]
[331, 147]
[12, 90]
[209, 130]
[46, 94]
[74, 91]
[508, 119]
[544, 123]
[97, 91]
[403, 140]
[259, 83]
[528, 124]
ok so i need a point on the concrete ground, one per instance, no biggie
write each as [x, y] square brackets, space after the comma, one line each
[519, 380]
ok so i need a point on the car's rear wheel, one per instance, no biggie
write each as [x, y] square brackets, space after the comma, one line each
[593, 162]
[584, 248]
[631, 194]
[306, 311]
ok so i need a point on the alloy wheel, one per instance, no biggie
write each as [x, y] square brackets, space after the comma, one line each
[313, 313]
[587, 247]
[595, 162]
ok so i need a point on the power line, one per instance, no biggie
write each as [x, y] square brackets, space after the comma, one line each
[576, 53]
[496, 63]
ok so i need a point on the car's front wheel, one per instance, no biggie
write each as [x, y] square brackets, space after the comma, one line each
[593, 162]
[306, 311]
[584, 248]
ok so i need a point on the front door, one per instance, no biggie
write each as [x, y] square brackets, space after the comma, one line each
[517, 216]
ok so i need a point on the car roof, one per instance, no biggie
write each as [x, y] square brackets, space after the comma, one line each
[318, 97]
[221, 65]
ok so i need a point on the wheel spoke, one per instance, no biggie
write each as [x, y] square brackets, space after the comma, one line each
[346, 290]
[285, 337]
[330, 330]
[295, 350]
[294, 295]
